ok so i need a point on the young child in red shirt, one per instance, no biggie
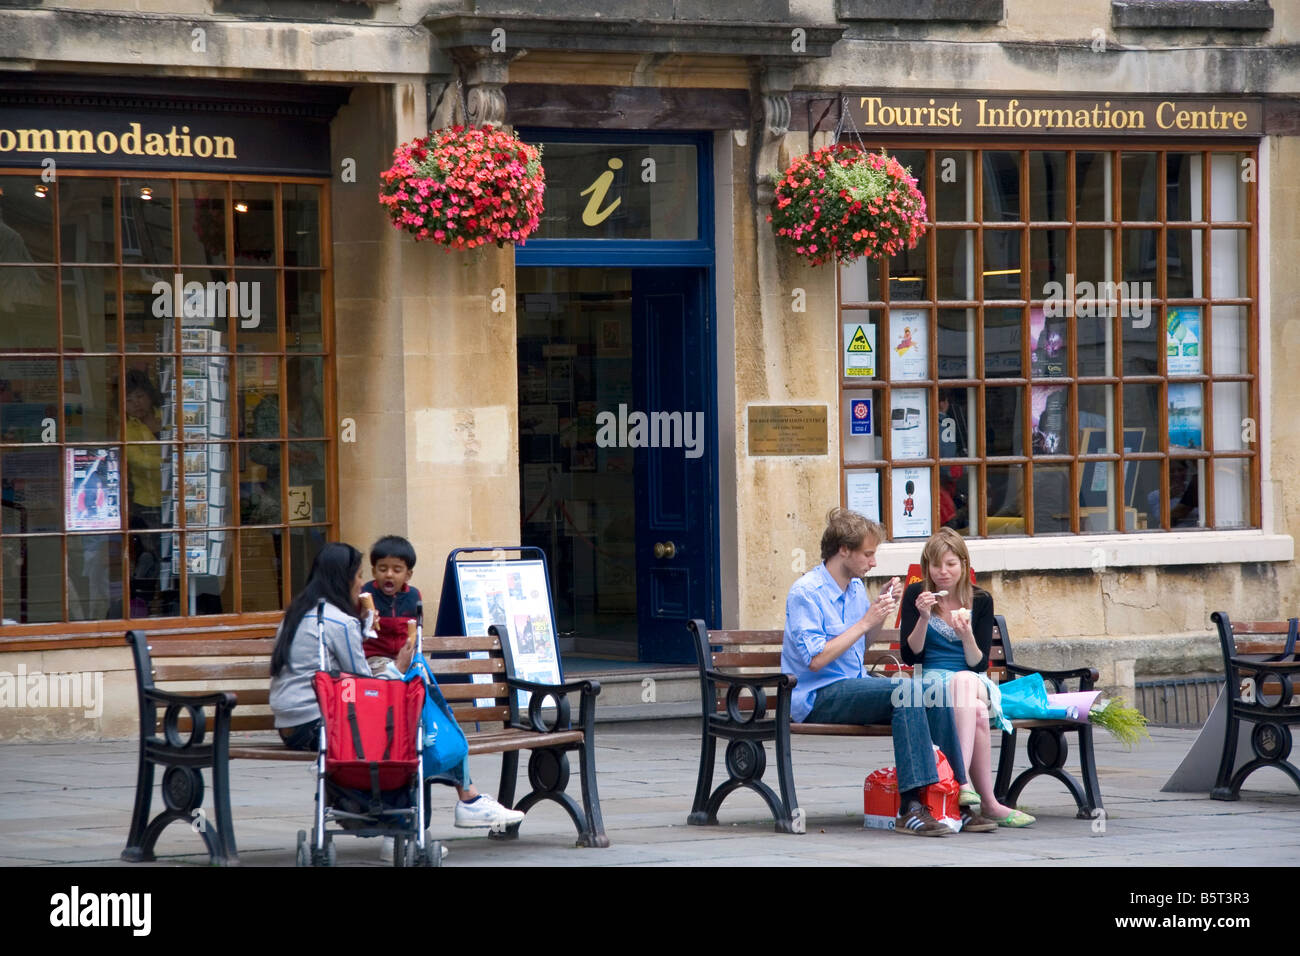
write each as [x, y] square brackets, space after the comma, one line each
[392, 561]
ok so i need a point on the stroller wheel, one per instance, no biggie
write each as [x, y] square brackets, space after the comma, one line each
[432, 855]
[304, 855]
[331, 853]
[401, 849]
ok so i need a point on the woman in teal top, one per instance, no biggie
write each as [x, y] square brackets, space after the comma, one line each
[946, 631]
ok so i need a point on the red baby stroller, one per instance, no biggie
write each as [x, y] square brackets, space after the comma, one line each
[368, 778]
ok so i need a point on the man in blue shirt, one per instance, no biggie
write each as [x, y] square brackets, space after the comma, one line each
[829, 623]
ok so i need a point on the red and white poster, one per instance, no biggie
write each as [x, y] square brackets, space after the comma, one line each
[94, 490]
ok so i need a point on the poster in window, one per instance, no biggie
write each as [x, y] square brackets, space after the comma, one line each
[1047, 338]
[94, 490]
[1183, 342]
[909, 357]
[909, 419]
[862, 493]
[1185, 416]
[859, 350]
[860, 416]
[1049, 409]
[911, 503]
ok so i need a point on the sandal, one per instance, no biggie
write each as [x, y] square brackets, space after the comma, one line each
[1016, 819]
[967, 797]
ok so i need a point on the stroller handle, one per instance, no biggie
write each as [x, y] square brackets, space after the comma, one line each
[320, 630]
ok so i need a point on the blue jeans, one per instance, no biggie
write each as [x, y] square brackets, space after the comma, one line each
[871, 700]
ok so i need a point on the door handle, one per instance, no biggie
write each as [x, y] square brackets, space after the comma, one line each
[665, 550]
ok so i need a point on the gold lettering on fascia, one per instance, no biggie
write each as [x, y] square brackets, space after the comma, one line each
[133, 142]
[1014, 114]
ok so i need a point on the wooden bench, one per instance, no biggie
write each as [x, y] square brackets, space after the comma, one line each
[1259, 689]
[193, 731]
[738, 676]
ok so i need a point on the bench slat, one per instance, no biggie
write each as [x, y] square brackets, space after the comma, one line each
[466, 715]
[438, 645]
[474, 691]
[236, 670]
[221, 648]
[1261, 627]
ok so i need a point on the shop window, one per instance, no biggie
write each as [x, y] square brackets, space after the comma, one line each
[164, 383]
[1055, 360]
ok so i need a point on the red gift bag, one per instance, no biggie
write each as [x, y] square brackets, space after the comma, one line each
[880, 797]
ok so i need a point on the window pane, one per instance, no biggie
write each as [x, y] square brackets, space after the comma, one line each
[304, 544]
[1183, 186]
[1186, 415]
[862, 493]
[1095, 260]
[910, 511]
[32, 490]
[907, 274]
[955, 268]
[859, 281]
[861, 358]
[1229, 192]
[1006, 499]
[958, 424]
[94, 577]
[307, 494]
[1231, 492]
[1002, 339]
[145, 331]
[154, 589]
[957, 343]
[1096, 497]
[301, 224]
[1047, 186]
[209, 563]
[149, 475]
[33, 580]
[254, 221]
[1229, 343]
[205, 308]
[147, 221]
[1231, 408]
[1048, 259]
[29, 399]
[1183, 263]
[257, 306]
[260, 568]
[1141, 417]
[26, 221]
[203, 223]
[89, 309]
[909, 345]
[1138, 187]
[1051, 499]
[304, 319]
[958, 497]
[1096, 417]
[1050, 419]
[1095, 352]
[27, 308]
[1186, 493]
[1092, 187]
[90, 397]
[860, 424]
[1228, 259]
[1003, 423]
[1001, 186]
[1142, 493]
[86, 219]
[1140, 347]
[954, 186]
[1002, 264]
[1140, 256]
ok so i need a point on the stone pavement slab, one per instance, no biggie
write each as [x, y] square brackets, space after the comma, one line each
[70, 803]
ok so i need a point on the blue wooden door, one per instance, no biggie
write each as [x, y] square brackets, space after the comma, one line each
[676, 482]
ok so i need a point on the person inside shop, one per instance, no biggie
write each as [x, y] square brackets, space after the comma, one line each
[829, 623]
[144, 488]
[336, 576]
[1184, 497]
[945, 633]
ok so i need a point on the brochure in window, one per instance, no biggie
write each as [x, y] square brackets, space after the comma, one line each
[909, 419]
[1183, 341]
[909, 357]
[1047, 338]
[862, 493]
[911, 503]
[859, 350]
[94, 490]
[1050, 411]
[1185, 415]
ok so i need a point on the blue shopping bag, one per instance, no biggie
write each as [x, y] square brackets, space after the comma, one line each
[445, 746]
[1026, 699]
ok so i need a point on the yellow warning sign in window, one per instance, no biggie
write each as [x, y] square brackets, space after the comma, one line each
[859, 342]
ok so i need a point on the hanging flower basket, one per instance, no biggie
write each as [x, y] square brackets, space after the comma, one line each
[465, 186]
[841, 202]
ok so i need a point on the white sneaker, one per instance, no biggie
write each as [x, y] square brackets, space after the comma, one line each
[485, 812]
[386, 850]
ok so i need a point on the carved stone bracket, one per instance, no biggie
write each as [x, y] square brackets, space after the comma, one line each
[485, 74]
[773, 120]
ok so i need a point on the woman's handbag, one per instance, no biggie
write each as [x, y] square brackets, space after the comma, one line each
[445, 746]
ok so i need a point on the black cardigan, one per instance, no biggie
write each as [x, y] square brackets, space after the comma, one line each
[981, 622]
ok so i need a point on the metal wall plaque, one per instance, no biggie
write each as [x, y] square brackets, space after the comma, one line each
[787, 430]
